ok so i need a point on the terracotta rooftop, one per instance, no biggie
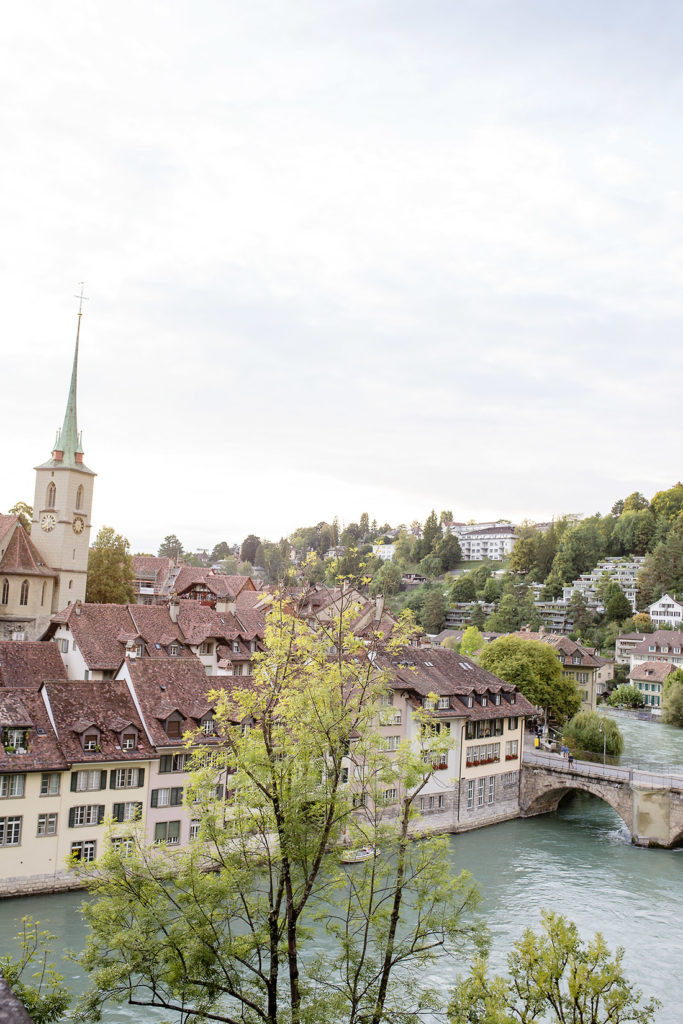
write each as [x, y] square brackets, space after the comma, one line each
[26, 708]
[652, 671]
[79, 704]
[30, 663]
[162, 687]
[22, 556]
[663, 640]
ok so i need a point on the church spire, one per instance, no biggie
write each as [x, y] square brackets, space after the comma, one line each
[68, 450]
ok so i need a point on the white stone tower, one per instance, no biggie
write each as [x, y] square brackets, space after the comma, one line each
[63, 503]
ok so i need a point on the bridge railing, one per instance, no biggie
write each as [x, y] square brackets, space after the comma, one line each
[633, 776]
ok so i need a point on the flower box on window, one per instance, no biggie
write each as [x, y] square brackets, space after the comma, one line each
[511, 757]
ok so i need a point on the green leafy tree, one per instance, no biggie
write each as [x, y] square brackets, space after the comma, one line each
[662, 570]
[32, 976]
[534, 667]
[229, 565]
[250, 546]
[387, 580]
[593, 732]
[245, 569]
[110, 569]
[430, 566]
[626, 696]
[634, 531]
[635, 502]
[672, 703]
[477, 616]
[364, 525]
[579, 612]
[433, 612]
[220, 551]
[448, 551]
[170, 547]
[554, 977]
[236, 943]
[431, 533]
[492, 590]
[668, 504]
[464, 588]
[25, 513]
[472, 641]
[618, 607]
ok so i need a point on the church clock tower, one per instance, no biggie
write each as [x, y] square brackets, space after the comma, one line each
[63, 502]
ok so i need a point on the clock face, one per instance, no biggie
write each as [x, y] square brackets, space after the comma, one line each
[48, 521]
[78, 524]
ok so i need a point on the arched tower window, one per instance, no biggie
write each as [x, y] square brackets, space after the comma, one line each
[51, 497]
[23, 593]
[79, 497]
[4, 596]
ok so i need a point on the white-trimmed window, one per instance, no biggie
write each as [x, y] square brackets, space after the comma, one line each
[123, 845]
[127, 778]
[168, 796]
[391, 795]
[85, 781]
[444, 703]
[15, 741]
[11, 786]
[10, 830]
[84, 850]
[208, 726]
[49, 783]
[47, 824]
[511, 748]
[129, 741]
[491, 788]
[386, 700]
[173, 763]
[87, 814]
[470, 794]
[481, 791]
[91, 740]
[206, 647]
[129, 811]
[390, 742]
[63, 645]
[194, 829]
[513, 723]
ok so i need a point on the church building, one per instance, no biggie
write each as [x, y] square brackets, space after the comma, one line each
[42, 572]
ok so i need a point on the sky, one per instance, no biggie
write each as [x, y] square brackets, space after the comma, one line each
[373, 255]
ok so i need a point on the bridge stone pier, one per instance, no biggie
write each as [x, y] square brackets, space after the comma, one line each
[651, 805]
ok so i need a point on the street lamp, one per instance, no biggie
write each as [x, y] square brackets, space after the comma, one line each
[604, 742]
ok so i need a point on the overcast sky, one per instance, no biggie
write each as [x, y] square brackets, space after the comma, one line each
[374, 255]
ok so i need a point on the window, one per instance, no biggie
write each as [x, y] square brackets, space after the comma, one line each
[390, 795]
[10, 830]
[386, 700]
[576, 660]
[167, 832]
[139, 650]
[511, 749]
[47, 824]
[84, 851]
[167, 797]
[206, 648]
[194, 829]
[470, 701]
[87, 814]
[49, 784]
[173, 727]
[513, 723]
[123, 845]
[173, 763]
[15, 741]
[491, 788]
[174, 650]
[126, 778]
[484, 700]
[496, 698]
[50, 495]
[470, 794]
[87, 781]
[358, 799]
[236, 647]
[130, 811]
[79, 497]
[63, 645]
[5, 592]
[481, 789]
[390, 742]
[23, 593]
[208, 726]
[510, 778]
[444, 702]
[129, 741]
[91, 741]
[11, 785]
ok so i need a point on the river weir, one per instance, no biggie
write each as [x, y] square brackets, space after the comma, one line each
[578, 861]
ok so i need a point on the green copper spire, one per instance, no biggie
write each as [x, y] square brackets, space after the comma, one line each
[68, 451]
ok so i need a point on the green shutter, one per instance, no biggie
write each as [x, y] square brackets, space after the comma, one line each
[103, 780]
[100, 814]
[155, 798]
[74, 778]
[141, 776]
[117, 812]
[112, 778]
[72, 816]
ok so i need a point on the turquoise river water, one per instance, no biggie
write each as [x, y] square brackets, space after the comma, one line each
[579, 861]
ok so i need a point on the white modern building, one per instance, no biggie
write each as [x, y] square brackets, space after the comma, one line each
[666, 612]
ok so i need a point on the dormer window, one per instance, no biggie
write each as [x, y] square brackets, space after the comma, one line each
[208, 725]
[174, 650]
[15, 741]
[444, 703]
[253, 647]
[496, 698]
[561, 658]
[484, 700]
[173, 726]
[235, 647]
[206, 647]
[470, 701]
[91, 740]
[139, 650]
[513, 698]
[129, 740]
[429, 703]
[576, 660]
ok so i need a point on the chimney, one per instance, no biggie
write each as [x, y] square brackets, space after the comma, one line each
[379, 607]
[78, 606]
[174, 607]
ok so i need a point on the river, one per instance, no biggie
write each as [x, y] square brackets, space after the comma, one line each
[579, 861]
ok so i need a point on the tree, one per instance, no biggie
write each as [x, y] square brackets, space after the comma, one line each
[170, 547]
[220, 551]
[593, 732]
[634, 531]
[635, 502]
[110, 569]
[229, 565]
[364, 525]
[642, 623]
[449, 552]
[626, 696]
[669, 503]
[662, 570]
[463, 588]
[431, 534]
[25, 513]
[534, 667]
[618, 607]
[472, 641]
[236, 943]
[434, 612]
[430, 566]
[49, 999]
[579, 613]
[387, 580]
[556, 978]
[249, 548]
[491, 590]
[672, 703]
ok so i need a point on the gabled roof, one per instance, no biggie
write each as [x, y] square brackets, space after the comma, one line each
[82, 703]
[22, 556]
[162, 687]
[29, 663]
[6, 524]
[220, 585]
[663, 641]
[652, 671]
[95, 628]
[562, 644]
[44, 753]
[199, 623]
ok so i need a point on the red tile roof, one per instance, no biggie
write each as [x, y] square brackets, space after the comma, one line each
[76, 705]
[23, 708]
[22, 556]
[29, 663]
[162, 687]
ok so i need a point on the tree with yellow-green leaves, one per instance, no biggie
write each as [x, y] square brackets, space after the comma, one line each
[110, 569]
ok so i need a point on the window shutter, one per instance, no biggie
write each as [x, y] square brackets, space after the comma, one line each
[72, 816]
[100, 814]
[155, 798]
[138, 809]
[112, 779]
[165, 763]
[74, 779]
[141, 776]
[219, 792]
[103, 780]
[176, 796]
[117, 812]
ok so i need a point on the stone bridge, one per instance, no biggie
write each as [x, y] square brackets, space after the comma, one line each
[650, 804]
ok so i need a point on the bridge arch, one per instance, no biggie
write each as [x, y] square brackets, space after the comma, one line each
[542, 793]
